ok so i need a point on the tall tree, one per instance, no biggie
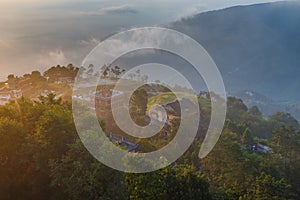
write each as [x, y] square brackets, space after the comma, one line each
[180, 182]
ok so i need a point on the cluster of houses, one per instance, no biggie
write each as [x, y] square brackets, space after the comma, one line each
[103, 97]
[64, 80]
[13, 90]
[260, 148]
[122, 141]
[7, 94]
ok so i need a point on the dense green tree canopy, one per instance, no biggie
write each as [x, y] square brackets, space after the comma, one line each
[41, 157]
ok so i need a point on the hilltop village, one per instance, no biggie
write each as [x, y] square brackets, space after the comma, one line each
[59, 80]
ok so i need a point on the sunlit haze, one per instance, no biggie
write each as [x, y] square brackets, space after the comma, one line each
[38, 34]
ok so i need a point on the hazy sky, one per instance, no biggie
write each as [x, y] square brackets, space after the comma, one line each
[37, 34]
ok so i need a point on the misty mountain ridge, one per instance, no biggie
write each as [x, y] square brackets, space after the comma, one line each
[266, 106]
[256, 47]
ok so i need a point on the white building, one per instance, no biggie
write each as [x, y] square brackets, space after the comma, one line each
[7, 95]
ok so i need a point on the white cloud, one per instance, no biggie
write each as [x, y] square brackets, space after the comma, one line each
[52, 58]
[193, 10]
[90, 42]
[122, 9]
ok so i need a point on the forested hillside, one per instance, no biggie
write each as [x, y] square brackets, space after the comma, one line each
[41, 157]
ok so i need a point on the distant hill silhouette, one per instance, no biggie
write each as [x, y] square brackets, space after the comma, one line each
[256, 48]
